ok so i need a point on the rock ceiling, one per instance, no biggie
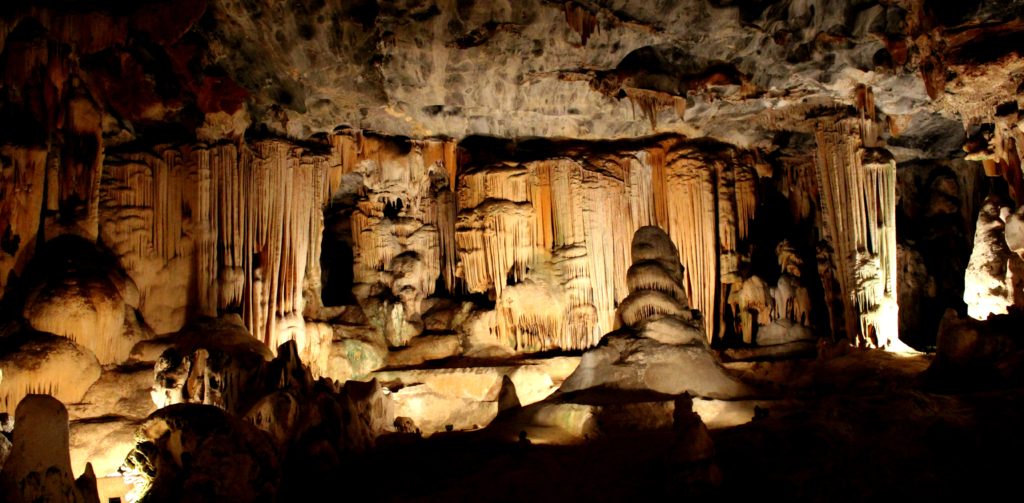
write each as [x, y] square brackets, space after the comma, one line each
[739, 71]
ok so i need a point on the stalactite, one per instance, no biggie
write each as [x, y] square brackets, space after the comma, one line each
[581, 20]
[80, 168]
[694, 228]
[746, 199]
[651, 103]
[858, 188]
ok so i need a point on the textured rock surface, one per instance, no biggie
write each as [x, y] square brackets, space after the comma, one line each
[77, 292]
[672, 360]
[38, 467]
[638, 364]
[34, 362]
[989, 281]
[199, 453]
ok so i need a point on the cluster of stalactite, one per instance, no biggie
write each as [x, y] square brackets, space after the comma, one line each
[22, 178]
[230, 228]
[236, 227]
[403, 226]
[574, 216]
[217, 229]
[651, 103]
[581, 20]
[857, 183]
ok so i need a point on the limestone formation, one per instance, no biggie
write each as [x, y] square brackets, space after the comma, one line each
[33, 362]
[76, 292]
[38, 467]
[259, 230]
[659, 349]
[857, 181]
[198, 452]
[989, 282]
[215, 363]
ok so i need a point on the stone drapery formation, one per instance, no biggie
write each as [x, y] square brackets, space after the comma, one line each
[217, 228]
[548, 236]
[229, 228]
[857, 183]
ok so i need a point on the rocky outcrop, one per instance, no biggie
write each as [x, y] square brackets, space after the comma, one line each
[200, 453]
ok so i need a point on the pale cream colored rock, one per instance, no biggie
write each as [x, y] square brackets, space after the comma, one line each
[425, 348]
[987, 288]
[34, 362]
[626, 362]
[39, 467]
[433, 411]
[86, 309]
[672, 330]
[120, 391]
[103, 442]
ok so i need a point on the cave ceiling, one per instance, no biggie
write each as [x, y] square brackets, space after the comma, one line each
[737, 71]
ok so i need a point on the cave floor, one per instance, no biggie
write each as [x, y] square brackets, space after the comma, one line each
[863, 425]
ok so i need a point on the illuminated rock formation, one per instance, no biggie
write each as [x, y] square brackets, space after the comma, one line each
[200, 453]
[215, 363]
[271, 420]
[38, 467]
[662, 347]
[857, 182]
[33, 362]
[992, 282]
[77, 292]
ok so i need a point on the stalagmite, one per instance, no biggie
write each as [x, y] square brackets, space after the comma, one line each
[39, 466]
[988, 282]
[660, 345]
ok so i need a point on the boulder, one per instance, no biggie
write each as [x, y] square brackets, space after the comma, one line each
[75, 291]
[122, 391]
[200, 453]
[102, 442]
[34, 362]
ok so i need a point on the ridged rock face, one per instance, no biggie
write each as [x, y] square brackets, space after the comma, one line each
[231, 154]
